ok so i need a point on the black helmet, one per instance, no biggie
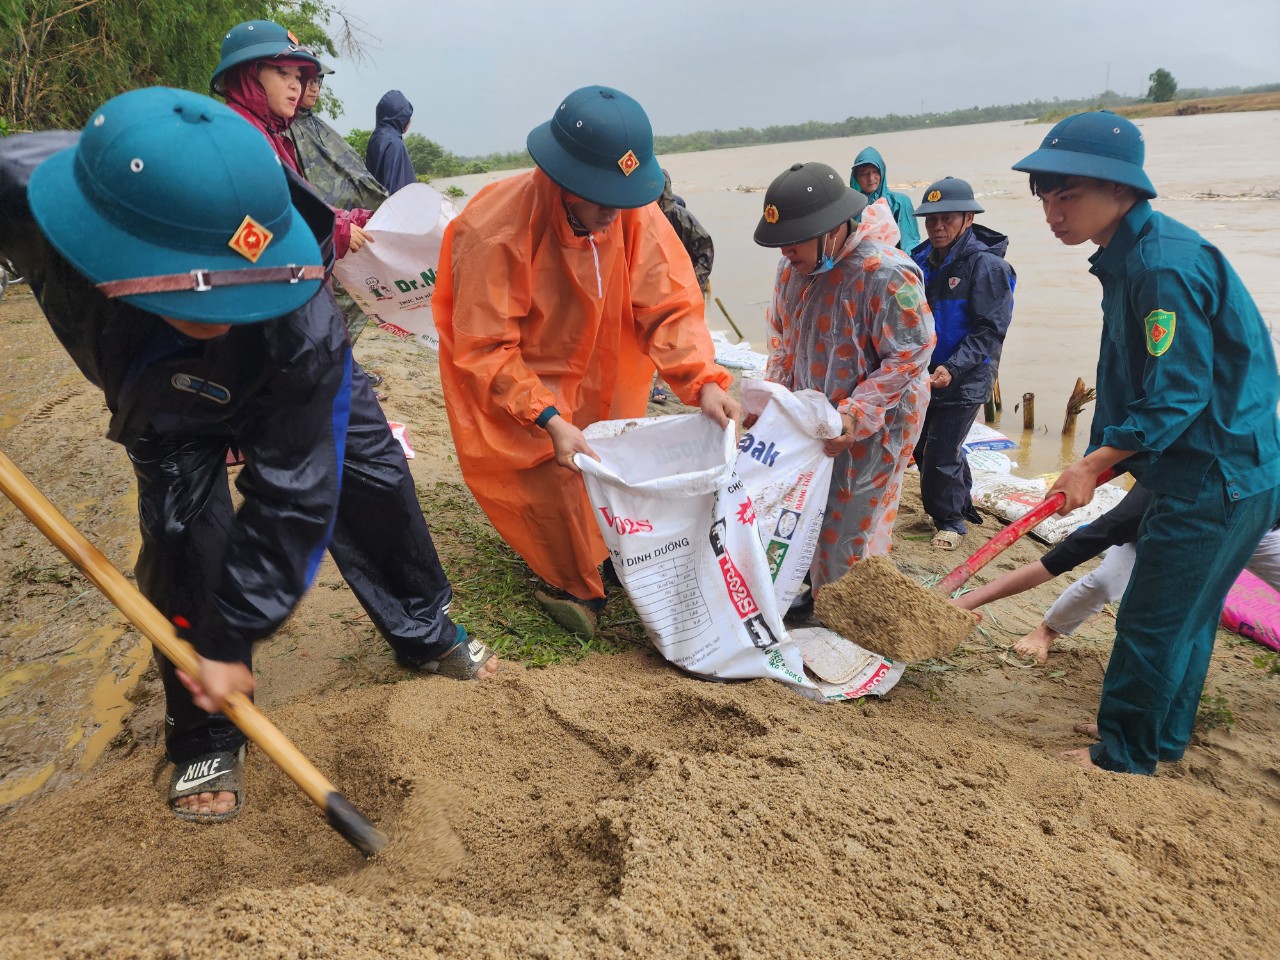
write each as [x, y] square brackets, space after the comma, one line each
[805, 202]
[948, 195]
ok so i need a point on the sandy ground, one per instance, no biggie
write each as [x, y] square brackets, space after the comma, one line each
[606, 808]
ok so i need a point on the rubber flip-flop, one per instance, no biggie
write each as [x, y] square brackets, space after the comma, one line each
[220, 772]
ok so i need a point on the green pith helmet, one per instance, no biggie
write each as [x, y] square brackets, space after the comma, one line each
[1098, 144]
[178, 205]
[257, 40]
[599, 146]
[803, 203]
[948, 195]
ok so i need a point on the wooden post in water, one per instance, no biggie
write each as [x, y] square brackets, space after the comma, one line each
[995, 396]
[1079, 397]
[1028, 411]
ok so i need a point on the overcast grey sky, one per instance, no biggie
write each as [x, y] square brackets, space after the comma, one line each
[482, 73]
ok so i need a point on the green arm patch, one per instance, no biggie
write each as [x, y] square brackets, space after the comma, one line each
[908, 296]
[1160, 325]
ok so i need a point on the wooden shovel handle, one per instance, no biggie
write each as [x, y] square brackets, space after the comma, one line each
[1005, 538]
[153, 625]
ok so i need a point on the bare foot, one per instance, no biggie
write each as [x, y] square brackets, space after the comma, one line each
[1090, 730]
[490, 669]
[206, 803]
[1035, 645]
[1080, 757]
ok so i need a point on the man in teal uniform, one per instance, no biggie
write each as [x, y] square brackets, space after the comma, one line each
[1187, 396]
[868, 176]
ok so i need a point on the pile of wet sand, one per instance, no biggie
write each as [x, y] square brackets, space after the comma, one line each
[616, 808]
[881, 610]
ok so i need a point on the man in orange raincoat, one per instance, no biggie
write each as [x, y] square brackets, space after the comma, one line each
[559, 292]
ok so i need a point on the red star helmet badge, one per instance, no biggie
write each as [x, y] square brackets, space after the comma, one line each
[250, 239]
[628, 162]
[934, 196]
[770, 213]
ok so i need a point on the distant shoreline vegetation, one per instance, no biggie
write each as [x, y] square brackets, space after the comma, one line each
[430, 160]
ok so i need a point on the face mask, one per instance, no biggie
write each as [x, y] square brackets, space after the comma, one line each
[825, 260]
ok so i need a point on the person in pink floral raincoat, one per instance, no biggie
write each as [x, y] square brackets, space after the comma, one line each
[849, 318]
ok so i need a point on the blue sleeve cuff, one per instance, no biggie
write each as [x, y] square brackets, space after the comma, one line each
[546, 415]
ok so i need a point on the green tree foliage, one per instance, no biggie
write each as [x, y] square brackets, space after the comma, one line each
[1163, 86]
[359, 140]
[62, 58]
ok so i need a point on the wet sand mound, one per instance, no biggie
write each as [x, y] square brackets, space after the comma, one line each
[617, 808]
[886, 612]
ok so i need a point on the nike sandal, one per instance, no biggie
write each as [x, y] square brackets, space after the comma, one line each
[221, 772]
[463, 662]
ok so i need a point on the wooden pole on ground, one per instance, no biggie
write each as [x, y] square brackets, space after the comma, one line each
[1028, 411]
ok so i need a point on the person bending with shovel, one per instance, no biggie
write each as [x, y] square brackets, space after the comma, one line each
[184, 271]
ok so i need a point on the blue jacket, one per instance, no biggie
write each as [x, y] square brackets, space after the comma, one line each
[386, 155]
[971, 296]
[1186, 372]
[899, 203]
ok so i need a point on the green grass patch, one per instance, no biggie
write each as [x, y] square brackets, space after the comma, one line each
[493, 588]
[30, 572]
[1214, 712]
[1268, 662]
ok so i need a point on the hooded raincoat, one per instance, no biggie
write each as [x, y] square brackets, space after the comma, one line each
[861, 333]
[903, 212]
[531, 316]
[386, 156]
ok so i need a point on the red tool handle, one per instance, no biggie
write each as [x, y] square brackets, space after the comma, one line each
[1004, 539]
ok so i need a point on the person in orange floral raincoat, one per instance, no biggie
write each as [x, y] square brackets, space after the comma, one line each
[849, 318]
